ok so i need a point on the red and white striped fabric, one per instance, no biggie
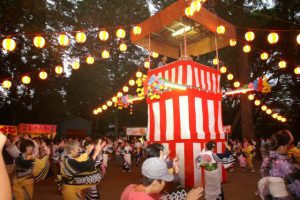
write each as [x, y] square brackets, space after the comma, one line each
[185, 120]
[190, 73]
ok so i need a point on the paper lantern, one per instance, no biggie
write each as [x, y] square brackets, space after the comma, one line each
[103, 35]
[137, 30]
[275, 115]
[273, 38]
[114, 99]
[223, 69]
[6, 84]
[59, 69]
[120, 33]
[264, 56]
[196, 5]
[90, 60]
[257, 102]
[9, 44]
[282, 64]
[264, 108]
[147, 64]
[75, 65]
[232, 42]
[63, 40]
[119, 94]
[215, 61]
[236, 84]
[99, 110]
[279, 117]
[131, 82]
[283, 119]
[109, 103]
[250, 97]
[221, 29]
[105, 54]
[154, 55]
[230, 77]
[189, 11]
[269, 111]
[104, 107]
[139, 74]
[43, 75]
[125, 89]
[39, 41]
[297, 70]
[249, 36]
[80, 37]
[123, 47]
[298, 39]
[95, 112]
[26, 79]
[246, 48]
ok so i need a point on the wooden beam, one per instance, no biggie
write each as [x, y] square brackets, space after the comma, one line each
[161, 48]
[205, 46]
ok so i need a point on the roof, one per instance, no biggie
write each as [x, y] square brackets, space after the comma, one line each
[200, 39]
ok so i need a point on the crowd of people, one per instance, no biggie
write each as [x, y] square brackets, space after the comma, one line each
[80, 164]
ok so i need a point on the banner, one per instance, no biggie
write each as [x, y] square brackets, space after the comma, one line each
[137, 131]
[6, 129]
[37, 129]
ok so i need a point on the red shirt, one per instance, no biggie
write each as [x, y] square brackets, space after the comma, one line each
[130, 194]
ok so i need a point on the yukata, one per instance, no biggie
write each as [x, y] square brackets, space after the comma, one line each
[126, 153]
[28, 170]
[281, 179]
[138, 152]
[106, 151]
[78, 175]
[212, 173]
[249, 156]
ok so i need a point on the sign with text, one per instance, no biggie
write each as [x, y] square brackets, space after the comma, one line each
[137, 131]
[6, 129]
[37, 129]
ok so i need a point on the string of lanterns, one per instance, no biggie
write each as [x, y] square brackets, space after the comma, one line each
[9, 44]
[194, 7]
[272, 38]
[251, 97]
[266, 109]
[119, 94]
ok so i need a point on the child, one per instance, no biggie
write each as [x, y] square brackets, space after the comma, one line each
[241, 158]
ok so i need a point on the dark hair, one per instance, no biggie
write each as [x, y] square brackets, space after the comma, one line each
[210, 145]
[147, 181]
[88, 142]
[280, 138]
[153, 150]
[24, 144]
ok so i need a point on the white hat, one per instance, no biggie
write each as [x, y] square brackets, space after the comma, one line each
[156, 169]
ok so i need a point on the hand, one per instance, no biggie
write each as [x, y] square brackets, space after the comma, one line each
[194, 193]
[2, 141]
[176, 164]
[26, 137]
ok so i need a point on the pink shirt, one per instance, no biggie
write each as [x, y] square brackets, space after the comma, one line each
[130, 194]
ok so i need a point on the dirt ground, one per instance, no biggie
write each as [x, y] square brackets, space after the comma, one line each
[240, 185]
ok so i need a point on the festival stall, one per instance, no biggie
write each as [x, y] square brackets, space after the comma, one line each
[35, 130]
[8, 129]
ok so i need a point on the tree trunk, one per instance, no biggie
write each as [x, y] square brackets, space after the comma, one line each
[247, 127]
